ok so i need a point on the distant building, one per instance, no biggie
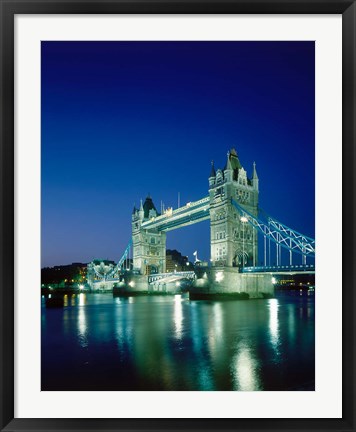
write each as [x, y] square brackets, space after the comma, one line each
[175, 261]
[64, 275]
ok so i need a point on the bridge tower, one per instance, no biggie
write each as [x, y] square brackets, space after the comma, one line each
[233, 242]
[149, 246]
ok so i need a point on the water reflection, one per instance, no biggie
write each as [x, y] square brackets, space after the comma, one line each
[273, 321]
[81, 299]
[245, 370]
[171, 343]
[82, 326]
[178, 316]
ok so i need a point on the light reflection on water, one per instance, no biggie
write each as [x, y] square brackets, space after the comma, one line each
[273, 321]
[82, 328]
[97, 342]
[245, 370]
[178, 316]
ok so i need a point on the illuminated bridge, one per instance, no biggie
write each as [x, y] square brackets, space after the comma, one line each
[237, 226]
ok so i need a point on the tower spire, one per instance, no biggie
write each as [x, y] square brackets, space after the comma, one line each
[254, 177]
[212, 172]
[254, 174]
[141, 212]
[228, 162]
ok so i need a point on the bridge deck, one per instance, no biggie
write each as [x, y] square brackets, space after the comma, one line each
[171, 277]
[294, 269]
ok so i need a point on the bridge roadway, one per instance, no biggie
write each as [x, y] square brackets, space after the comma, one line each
[171, 277]
[281, 270]
[191, 213]
[276, 270]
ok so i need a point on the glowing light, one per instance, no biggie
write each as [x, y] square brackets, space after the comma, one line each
[219, 276]
[81, 287]
[243, 219]
[177, 284]
[274, 280]
[131, 284]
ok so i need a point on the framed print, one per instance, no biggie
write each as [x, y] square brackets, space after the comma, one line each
[177, 205]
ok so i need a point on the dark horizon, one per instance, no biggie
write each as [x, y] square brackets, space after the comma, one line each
[121, 120]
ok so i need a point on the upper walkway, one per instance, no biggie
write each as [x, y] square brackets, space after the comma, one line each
[191, 213]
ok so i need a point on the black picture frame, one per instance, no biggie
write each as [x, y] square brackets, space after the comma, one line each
[8, 9]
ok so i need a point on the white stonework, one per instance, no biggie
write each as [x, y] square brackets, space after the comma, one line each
[149, 246]
[233, 241]
[228, 280]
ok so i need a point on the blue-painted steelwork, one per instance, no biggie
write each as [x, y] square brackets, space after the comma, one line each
[280, 234]
[113, 274]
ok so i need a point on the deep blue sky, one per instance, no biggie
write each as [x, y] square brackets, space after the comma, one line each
[124, 119]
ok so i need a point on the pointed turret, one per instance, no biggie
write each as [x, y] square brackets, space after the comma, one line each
[254, 177]
[149, 208]
[141, 211]
[228, 170]
[212, 174]
[134, 213]
[228, 162]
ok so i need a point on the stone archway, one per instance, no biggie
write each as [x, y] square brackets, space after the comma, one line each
[241, 259]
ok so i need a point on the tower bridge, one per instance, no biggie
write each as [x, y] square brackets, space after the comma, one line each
[236, 225]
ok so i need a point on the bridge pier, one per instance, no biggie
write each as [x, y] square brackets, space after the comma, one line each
[229, 281]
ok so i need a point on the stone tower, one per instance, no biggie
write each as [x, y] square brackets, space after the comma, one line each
[233, 241]
[149, 246]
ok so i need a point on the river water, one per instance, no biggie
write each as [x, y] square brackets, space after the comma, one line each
[97, 342]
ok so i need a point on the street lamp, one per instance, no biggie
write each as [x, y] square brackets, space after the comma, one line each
[243, 219]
